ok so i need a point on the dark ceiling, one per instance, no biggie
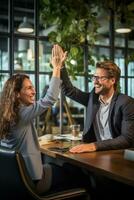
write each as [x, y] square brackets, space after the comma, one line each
[26, 8]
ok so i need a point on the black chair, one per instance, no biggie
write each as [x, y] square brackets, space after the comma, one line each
[15, 182]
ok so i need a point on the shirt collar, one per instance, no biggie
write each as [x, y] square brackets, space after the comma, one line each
[108, 101]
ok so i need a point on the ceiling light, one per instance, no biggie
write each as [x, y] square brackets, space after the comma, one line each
[25, 26]
[122, 25]
[123, 30]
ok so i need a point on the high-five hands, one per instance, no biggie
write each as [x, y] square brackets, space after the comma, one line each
[58, 56]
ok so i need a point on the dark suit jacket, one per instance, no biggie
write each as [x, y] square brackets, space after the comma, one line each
[121, 116]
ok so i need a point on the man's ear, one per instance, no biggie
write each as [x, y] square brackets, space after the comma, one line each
[113, 80]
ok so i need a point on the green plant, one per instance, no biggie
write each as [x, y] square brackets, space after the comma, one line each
[74, 25]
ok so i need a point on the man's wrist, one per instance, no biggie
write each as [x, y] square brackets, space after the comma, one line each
[63, 67]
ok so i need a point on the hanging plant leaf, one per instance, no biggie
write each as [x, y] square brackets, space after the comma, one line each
[76, 23]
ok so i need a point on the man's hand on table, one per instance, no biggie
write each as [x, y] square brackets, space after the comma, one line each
[83, 148]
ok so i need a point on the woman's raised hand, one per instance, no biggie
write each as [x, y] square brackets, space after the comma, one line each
[58, 56]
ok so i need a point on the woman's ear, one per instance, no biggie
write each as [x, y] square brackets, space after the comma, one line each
[18, 95]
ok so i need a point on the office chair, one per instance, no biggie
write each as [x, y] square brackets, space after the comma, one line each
[15, 182]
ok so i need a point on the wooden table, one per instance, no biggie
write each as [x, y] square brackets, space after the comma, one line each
[108, 163]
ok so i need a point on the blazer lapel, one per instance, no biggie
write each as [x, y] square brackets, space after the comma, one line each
[92, 109]
[112, 106]
[113, 103]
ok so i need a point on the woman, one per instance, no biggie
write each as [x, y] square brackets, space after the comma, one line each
[18, 109]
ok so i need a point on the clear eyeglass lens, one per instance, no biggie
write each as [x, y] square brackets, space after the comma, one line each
[94, 78]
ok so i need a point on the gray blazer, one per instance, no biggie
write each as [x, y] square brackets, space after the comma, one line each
[121, 116]
[30, 146]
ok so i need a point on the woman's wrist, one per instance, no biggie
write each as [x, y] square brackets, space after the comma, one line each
[56, 72]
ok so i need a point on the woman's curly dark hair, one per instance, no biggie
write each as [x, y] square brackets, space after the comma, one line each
[9, 103]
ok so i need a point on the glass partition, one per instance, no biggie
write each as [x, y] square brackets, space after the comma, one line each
[122, 85]
[119, 40]
[3, 78]
[24, 55]
[131, 69]
[130, 87]
[44, 83]
[32, 78]
[121, 64]
[44, 56]
[4, 56]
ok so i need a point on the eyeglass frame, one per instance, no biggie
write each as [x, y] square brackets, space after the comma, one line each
[102, 78]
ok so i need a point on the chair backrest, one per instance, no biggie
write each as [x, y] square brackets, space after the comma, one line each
[15, 182]
[11, 183]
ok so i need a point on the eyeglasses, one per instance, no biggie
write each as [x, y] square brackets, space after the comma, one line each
[101, 78]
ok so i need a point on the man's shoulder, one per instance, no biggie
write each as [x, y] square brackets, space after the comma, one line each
[123, 98]
[121, 95]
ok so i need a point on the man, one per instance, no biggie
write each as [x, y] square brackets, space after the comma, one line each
[110, 114]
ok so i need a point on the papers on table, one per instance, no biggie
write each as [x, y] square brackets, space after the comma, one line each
[68, 137]
[48, 138]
